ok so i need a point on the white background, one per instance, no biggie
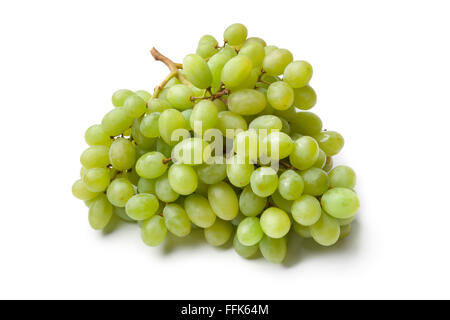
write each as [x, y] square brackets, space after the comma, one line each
[382, 74]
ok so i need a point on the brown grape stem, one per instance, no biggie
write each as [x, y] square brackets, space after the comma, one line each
[166, 161]
[285, 164]
[173, 67]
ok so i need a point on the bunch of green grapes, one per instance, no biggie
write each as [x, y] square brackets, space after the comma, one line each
[152, 162]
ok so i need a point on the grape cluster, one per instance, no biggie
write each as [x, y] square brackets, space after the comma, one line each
[226, 144]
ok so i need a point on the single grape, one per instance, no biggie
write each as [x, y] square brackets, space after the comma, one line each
[239, 172]
[122, 154]
[280, 95]
[197, 71]
[316, 181]
[135, 106]
[139, 139]
[291, 185]
[275, 222]
[277, 200]
[119, 192]
[119, 97]
[183, 179]
[95, 157]
[249, 231]
[264, 181]
[246, 102]
[326, 231]
[146, 185]
[81, 191]
[212, 172]
[305, 98]
[142, 206]
[164, 190]
[207, 46]
[172, 126]
[97, 179]
[235, 34]
[219, 233]
[254, 51]
[305, 153]
[331, 142]
[151, 165]
[273, 250]
[343, 177]
[344, 222]
[307, 123]
[100, 212]
[244, 251]
[340, 203]
[153, 231]
[255, 40]
[216, 64]
[306, 210]
[116, 122]
[220, 105]
[251, 204]
[276, 61]
[278, 145]
[223, 200]
[122, 214]
[236, 71]
[268, 122]
[158, 105]
[149, 125]
[199, 211]
[204, 117]
[191, 151]
[176, 220]
[298, 73]
[179, 97]
[229, 123]
[302, 231]
[144, 95]
[249, 82]
[96, 136]
[269, 49]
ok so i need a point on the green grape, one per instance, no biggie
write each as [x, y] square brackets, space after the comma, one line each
[306, 123]
[287, 114]
[153, 231]
[340, 203]
[199, 211]
[291, 185]
[83, 171]
[173, 81]
[268, 122]
[119, 97]
[264, 181]
[251, 204]
[275, 222]
[326, 231]
[235, 34]
[207, 46]
[280, 95]
[197, 71]
[95, 157]
[142, 206]
[273, 250]
[306, 210]
[149, 125]
[144, 95]
[219, 233]
[80, 191]
[246, 102]
[163, 93]
[182, 179]
[139, 139]
[187, 116]
[88, 203]
[330, 142]
[236, 71]
[277, 200]
[229, 123]
[254, 40]
[344, 222]
[244, 251]
[216, 64]
[169, 121]
[276, 61]
[205, 114]
[246, 145]
[122, 154]
[286, 127]
[239, 173]
[151, 165]
[130, 175]
[122, 214]
[223, 201]
[250, 81]
[179, 97]
[176, 220]
[305, 153]
[238, 219]
[163, 148]
[97, 179]
[146, 186]
[116, 122]
[305, 98]
[249, 232]
[164, 190]
[212, 172]
[269, 49]
[95, 136]
[302, 231]
[345, 231]
[254, 51]
[316, 181]
[191, 151]
[343, 177]
[328, 164]
[279, 145]
[298, 73]
[100, 212]
[220, 105]
[119, 192]
[158, 105]
[321, 160]
[135, 106]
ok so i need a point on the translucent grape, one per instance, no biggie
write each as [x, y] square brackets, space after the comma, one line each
[236, 71]
[302, 231]
[95, 136]
[231, 121]
[275, 222]
[316, 181]
[306, 210]
[219, 233]
[280, 95]
[276, 61]
[169, 121]
[135, 106]
[119, 192]
[100, 212]
[343, 177]
[235, 34]
[119, 97]
[95, 157]
[331, 142]
[340, 203]
[305, 153]
[151, 165]
[179, 97]
[269, 49]
[146, 186]
[246, 102]
[182, 179]
[220, 105]
[273, 250]
[280, 202]
[216, 64]
[153, 231]
[239, 173]
[305, 98]
[250, 204]
[250, 81]
[142, 206]
[321, 160]
[122, 154]
[279, 145]
[212, 172]
[255, 40]
[164, 190]
[97, 179]
[197, 71]
[249, 231]
[158, 105]
[149, 125]
[145, 95]
[254, 51]
[207, 46]
[223, 201]
[205, 114]
[306, 123]
[244, 251]
[298, 73]
[199, 211]
[264, 181]
[177, 220]
[191, 151]
[80, 191]
[116, 122]
[326, 231]
[268, 122]
[290, 185]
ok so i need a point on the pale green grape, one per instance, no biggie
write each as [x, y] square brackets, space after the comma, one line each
[305, 153]
[80, 191]
[207, 46]
[254, 51]
[176, 220]
[149, 125]
[268, 122]
[119, 192]
[269, 49]
[95, 136]
[306, 123]
[280, 95]
[290, 185]
[187, 116]
[236, 71]
[199, 211]
[163, 189]
[158, 105]
[95, 157]
[331, 142]
[250, 81]
[235, 34]
[171, 120]
[244, 251]
[306, 210]
[273, 250]
[219, 233]
[264, 181]
[97, 179]
[119, 97]
[179, 97]
[343, 177]
[246, 145]
[255, 40]
[173, 81]
[151, 165]
[153, 231]
[182, 179]
[247, 102]
[146, 185]
[122, 214]
[298, 73]
[345, 231]
[276, 61]
[135, 106]
[223, 200]
[122, 154]
[216, 64]
[279, 145]
[340, 203]
[287, 114]
[316, 181]
[305, 98]
[191, 151]
[328, 164]
[220, 105]
[277, 200]
[326, 231]
[205, 114]
[321, 160]
[116, 122]
[249, 231]
[239, 173]
[163, 148]
[230, 121]
[275, 222]
[197, 71]
[302, 231]
[100, 212]
[212, 172]
[142, 206]
[145, 95]
[251, 204]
